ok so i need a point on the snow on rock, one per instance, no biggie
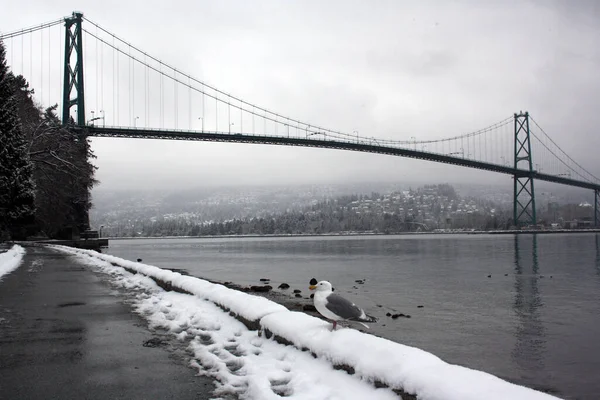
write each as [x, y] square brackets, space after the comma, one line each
[398, 366]
[11, 259]
[231, 353]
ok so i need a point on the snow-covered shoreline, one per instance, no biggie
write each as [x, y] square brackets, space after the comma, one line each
[11, 259]
[406, 370]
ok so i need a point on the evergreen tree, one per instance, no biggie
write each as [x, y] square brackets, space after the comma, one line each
[16, 183]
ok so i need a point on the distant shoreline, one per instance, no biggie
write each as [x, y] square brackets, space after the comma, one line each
[348, 234]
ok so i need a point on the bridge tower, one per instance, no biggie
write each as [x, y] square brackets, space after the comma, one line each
[597, 208]
[524, 197]
[73, 73]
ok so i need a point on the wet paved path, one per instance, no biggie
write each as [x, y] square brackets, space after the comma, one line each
[65, 334]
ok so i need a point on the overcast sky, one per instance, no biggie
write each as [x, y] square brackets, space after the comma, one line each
[388, 69]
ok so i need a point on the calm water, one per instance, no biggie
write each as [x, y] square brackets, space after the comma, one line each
[535, 321]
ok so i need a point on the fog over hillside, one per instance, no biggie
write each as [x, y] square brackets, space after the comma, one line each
[229, 202]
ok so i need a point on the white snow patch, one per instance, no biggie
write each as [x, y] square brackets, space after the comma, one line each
[11, 259]
[254, 367]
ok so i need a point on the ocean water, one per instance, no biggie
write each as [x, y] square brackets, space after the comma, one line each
[523, 307]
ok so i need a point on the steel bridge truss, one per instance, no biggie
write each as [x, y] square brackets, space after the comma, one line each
[597, 208]
[524, 194]
[73, 75]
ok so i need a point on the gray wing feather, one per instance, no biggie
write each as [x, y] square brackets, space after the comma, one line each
[342, 307]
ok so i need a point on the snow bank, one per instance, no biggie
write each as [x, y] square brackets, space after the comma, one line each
[395, 365]
[10, 260]
[249, 307]
[371, 359]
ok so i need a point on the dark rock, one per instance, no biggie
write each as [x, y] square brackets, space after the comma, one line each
[264, 279]
[489, 276]
[313, 281]
[308, 307]
[407, 316]
[505, 274]
[297, 291]
[154, 342]
[395, 316]
[420, 306]
[343, 367]
[312, 295]
[298, 295]
[360, 281]
[354, 287]
[261, 289]
[283, 286]
[379, 305]
[139, 260]
[388, 314]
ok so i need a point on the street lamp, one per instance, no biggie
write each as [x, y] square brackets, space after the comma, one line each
[414, 139]
[135, 122]
[230, 125]
[91, 120]
[202, 121]
[103, 120]
[356, 135]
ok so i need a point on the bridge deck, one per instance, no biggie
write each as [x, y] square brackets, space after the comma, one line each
[144, 133]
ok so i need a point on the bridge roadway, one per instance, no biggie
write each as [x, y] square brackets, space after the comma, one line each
[145, 133]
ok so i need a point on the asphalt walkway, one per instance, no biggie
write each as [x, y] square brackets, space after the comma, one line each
[66, 334]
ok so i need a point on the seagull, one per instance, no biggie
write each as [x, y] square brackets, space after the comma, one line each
[336, 308]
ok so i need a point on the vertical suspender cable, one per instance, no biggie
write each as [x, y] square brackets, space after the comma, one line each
[49, 69]
[114, 115]
[97, 74]
[41, 65]
[216, 112]
[102, 84]
[175, 96]
[30, 59]
[146, 106]
[162, 102]
[129, 91]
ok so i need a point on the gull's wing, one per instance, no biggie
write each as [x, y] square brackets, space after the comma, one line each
[342, 307]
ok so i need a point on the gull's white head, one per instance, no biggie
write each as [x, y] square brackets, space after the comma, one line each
[322, 286]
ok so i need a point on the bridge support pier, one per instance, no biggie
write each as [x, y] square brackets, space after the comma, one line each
[524, 194]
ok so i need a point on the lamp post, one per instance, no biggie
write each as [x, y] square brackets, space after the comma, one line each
[202, 121]
[356, 135]
[103, 120]
[230, 125]
[135, 122]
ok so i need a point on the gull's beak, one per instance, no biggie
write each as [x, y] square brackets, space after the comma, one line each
[312, 287]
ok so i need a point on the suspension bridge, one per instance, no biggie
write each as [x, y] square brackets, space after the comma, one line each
[131, 94]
